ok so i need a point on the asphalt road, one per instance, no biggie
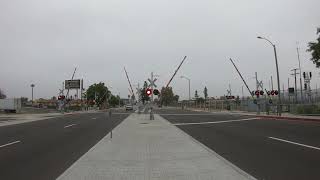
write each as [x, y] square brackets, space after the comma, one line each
[266, 149]
[45, 149]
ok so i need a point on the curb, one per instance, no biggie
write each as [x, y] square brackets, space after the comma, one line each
[265, 116]
[289, 118]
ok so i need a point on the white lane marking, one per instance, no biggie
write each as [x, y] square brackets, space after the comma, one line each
[70, 125]
[8, 144]
[295, 143]
[215, 122]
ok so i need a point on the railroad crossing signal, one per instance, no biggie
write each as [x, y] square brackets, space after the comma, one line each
[273, 93]
[230, 97]
[152, 83]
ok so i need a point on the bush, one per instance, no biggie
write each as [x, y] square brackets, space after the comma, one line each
[307, 109]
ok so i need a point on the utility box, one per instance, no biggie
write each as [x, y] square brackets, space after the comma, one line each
[11, 105]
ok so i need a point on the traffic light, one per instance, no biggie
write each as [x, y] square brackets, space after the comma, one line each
[156, 92]
[148, 92]
[305, 86]
[276, 92]
[310, 74]
[304, 75]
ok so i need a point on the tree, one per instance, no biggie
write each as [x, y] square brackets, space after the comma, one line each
[167, 96]
[205, 92]
[24, 100]
[114, 100]
[314, 48]
[200, 100]
[98, 92]
[2, 95]
[196, 94]
[144, 96]
[176, 98]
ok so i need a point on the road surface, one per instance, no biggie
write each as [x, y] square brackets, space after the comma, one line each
[266, 149]
[44, 149]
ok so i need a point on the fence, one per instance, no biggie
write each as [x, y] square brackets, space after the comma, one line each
[263, 104]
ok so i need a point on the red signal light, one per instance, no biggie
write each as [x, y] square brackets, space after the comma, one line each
[261, 93]
[148, 92]
[257, 93]
[272, 92]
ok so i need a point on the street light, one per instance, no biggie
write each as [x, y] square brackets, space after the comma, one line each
[184, 77]
[278, 78]
[32, 86]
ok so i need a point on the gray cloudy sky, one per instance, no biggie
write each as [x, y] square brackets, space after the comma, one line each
[41, 41]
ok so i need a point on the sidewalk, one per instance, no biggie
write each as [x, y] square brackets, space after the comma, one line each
[151, 150]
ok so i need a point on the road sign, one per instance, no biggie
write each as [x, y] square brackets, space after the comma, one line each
[72, 84]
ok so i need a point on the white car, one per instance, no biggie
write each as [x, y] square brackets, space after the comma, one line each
[129, 107]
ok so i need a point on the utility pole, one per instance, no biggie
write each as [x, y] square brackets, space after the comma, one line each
[257, 82]
[283, 91]
[302, 98]
[188, 85]
[295, 83]
[288, 91]
[242, 92]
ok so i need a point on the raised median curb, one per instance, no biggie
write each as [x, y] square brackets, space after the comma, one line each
[150, 150]
[274, 117]
[296, 118]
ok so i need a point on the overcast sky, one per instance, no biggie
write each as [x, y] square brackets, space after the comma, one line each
[42, 41]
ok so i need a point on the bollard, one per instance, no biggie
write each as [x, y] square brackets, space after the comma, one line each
[151, 114]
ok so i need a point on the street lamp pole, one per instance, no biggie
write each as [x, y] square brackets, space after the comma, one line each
[277, 68]
[188, 85]
[32, 86]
